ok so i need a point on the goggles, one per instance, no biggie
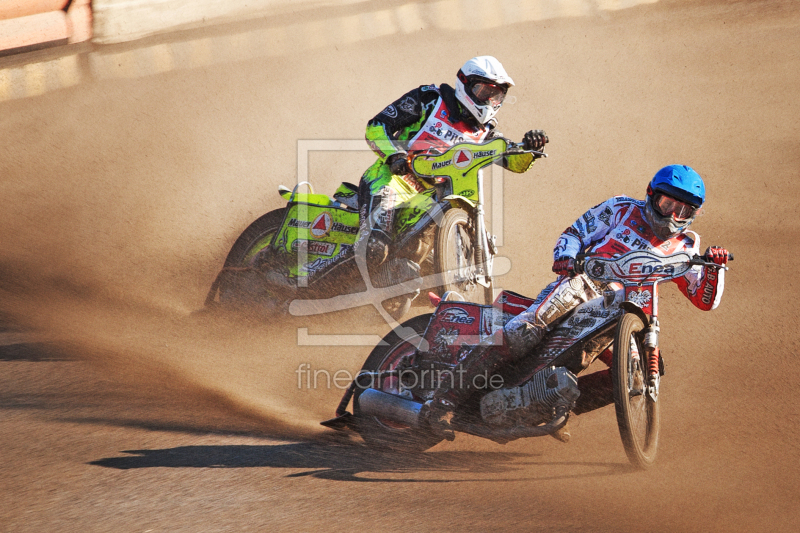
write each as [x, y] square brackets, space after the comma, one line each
[667, 206]
[488, 93]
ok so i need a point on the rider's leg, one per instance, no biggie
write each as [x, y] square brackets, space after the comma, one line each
[482, 359]
[517, 338]
[377, 198]
[527, 329]
[372, 240]
[382, 196]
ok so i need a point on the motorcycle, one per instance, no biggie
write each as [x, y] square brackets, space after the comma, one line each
[535, 396]
[307, 250]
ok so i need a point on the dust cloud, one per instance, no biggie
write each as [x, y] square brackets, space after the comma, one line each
[122, 197]
[121, 200]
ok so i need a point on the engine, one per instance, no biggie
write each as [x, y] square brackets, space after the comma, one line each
[551, 391]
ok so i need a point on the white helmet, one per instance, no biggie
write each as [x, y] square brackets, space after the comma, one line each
[481, 87]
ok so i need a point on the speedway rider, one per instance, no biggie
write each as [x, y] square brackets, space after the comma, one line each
[658, 224]
[428, 117]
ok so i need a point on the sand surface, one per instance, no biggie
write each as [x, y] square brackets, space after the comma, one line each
[121, 197]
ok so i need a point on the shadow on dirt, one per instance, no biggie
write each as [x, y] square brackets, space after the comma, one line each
[345, 462]
[32, 352]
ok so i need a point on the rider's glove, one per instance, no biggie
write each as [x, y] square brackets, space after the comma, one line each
[564, 266]
[717, 254]
[535, 140]
[398, 164]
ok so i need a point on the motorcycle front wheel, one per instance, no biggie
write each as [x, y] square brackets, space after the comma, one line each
[380, 433]
[455, 257]
[638, 416]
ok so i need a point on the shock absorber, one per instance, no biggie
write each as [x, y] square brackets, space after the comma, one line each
[651, 345]
[481, 245]
[651, 334]
[652, 363]
[480, 240]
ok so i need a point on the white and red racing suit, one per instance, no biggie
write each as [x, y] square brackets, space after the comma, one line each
[609, 229]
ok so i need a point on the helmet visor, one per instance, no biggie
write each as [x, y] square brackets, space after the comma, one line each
[485, 93]
[667, 206]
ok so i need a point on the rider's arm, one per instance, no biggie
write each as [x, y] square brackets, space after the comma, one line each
[702, 285]
[591, 227]
[384, 130]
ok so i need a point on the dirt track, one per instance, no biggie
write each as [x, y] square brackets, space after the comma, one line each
[121, 198]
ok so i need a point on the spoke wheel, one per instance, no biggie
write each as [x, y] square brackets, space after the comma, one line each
[454, 258]
[638, 416]
[375, 431]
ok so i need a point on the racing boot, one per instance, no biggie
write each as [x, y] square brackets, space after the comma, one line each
[438, 414]
[523, 336]
[398, 271]
[524, 332]
[562, 434]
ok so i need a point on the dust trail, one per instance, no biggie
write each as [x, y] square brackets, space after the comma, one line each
[246, 366]
[115, 221]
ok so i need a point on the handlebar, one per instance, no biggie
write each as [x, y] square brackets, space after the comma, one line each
[699, 260]
[638, 266]
[703, 260]
[512, 148]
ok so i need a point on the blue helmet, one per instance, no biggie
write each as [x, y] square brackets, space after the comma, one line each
[681, 183]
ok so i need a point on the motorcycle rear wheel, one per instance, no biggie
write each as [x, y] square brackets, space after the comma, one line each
[383, 434]
[454, 258]
[246, 287]
[638, 416]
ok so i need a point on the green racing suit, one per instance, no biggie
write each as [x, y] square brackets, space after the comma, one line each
[425, 118]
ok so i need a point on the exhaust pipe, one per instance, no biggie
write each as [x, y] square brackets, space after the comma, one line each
[373, 402]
